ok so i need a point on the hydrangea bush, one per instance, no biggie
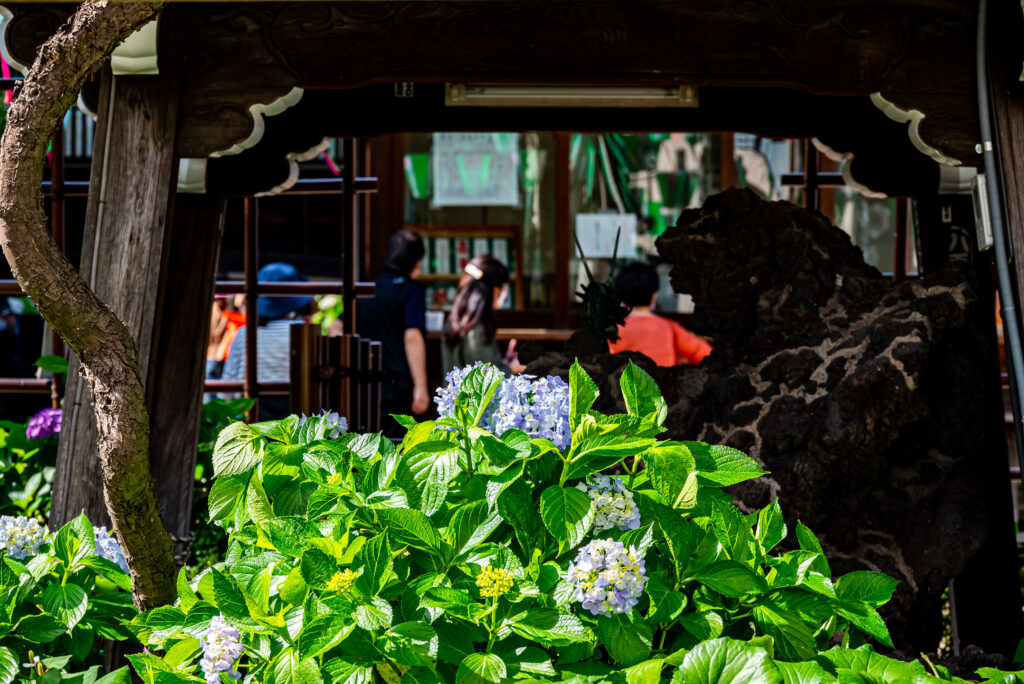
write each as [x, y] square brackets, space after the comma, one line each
[465, 556]
[490, 545]
[58, 594]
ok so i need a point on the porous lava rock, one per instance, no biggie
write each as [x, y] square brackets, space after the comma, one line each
[870, 402]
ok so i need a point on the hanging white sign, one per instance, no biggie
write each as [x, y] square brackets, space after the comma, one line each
[597, 232]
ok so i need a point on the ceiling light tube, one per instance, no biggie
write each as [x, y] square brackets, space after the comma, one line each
[481, 95]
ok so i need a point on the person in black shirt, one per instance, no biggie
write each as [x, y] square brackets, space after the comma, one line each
[396, 317]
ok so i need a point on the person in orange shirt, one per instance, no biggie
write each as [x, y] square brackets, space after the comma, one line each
[662, 340]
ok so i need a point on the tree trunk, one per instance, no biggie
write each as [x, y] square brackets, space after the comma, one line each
[102, 342]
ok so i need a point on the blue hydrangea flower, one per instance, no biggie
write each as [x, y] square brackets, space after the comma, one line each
[336, 424]
[107, 547]
[221, 648]
[612, 503]
[607, 577]
[21, 537]
[537, 406]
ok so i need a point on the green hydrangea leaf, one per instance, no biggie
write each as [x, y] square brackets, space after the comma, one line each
[481, 668]
[567, 513]
[727, 661]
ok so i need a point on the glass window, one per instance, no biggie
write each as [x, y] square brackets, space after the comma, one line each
[470, 193]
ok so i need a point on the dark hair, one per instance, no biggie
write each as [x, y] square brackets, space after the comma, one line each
[405, 248]
[636, 283]
[474, 302]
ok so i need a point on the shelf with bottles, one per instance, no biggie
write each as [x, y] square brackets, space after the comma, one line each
[449, 249]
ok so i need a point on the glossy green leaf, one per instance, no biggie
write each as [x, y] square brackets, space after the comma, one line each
[317, 568]
[9, 665]
[375, 559]
[290, 668]
[239, 447]
[809, 542]
[74, 541]
[288, 534]
[874, 588]
[550, 627]
[865, 618]
[567, 513]
[321, 634]
[642, 395]
[582, 394]
[182, 652]
[666, 602]
[730, 578]
[373, 614]
[723, 466]
[470, 525]
[794, 640]
[187, 597]
[803, 673]
[626, 637]
[481, 668]
[727, 661]
[225, 495]
[475, 394]
[672, 470]
[40, 629]
[68, 602]
[121, 675]
[431, 466]
[412, 528]
[228, 596]
[647, 672]
[771, 528]
[867, 661]
[52, 363]
[732, 531]
[294, 588]
[703, 625]
[411, 644]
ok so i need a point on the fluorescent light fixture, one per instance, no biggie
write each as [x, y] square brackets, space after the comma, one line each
[480, 95]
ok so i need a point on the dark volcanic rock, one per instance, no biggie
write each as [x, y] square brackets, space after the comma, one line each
[868, 402]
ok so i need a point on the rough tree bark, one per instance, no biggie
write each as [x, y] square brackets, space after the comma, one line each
[89, 327]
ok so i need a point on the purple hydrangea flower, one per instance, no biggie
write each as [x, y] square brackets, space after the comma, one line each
[21, 536]
[537, 406]
[607, 577]
[107, 547]
[43, 424]
[221, 648]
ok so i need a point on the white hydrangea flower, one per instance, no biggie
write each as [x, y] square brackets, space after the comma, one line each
[612, 503]
[221, 648]
[607, 577]
[21, 536]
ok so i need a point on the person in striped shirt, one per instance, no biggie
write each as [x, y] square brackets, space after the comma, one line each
[275, 315]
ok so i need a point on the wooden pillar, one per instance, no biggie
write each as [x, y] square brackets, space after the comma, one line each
[177, 364]
[132, 181]
[387, 205]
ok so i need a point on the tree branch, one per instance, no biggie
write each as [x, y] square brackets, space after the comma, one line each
[102, 341]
